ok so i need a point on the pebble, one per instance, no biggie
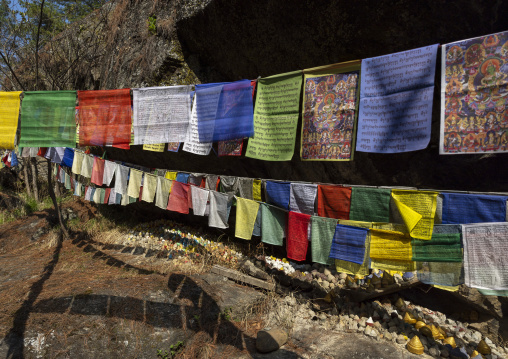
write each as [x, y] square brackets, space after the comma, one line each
[445, 353]
[401, 339]
[434, 352]
[327, 272]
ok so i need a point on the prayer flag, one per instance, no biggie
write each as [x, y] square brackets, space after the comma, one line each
[278, 193]
[273, 224]
[149, 187]
[199, 200]
[219, 213]
[302, 197]
[161, 114]
[135, 179]
[162, 192]
[297, 239]
[68, 157]
[330, 105]
[246, 213]
[396, 93]
[474, 115]
[97, 171]
[77, 163]
[334, 201]
[322, 230]
[391, 250]
[105, 118]
[9, 115]
[276, 115]
[417, 209]
[178, 199]
[462, 208]
[47, 119]
[87, 166]
[349, 244]
[370, 204]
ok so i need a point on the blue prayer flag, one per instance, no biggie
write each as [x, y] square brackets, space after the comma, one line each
[278, 193]
[349, 244]
[462, 208]
[182, 177]
[68, 157]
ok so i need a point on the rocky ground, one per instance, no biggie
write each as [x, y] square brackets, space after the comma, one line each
[146, 291]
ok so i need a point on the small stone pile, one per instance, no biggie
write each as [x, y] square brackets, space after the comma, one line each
[176, 241]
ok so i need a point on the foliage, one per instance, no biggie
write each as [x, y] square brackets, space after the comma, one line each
[174, 350]
[152, 25]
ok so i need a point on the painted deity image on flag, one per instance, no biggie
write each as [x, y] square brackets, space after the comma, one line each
[330, 105]
[474, 117]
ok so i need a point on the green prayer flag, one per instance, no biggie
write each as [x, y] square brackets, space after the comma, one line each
[322, 230]
[48, 119]
[370, 204]
[442, 247]
[276, 114]
[273, 224]
[102, 194]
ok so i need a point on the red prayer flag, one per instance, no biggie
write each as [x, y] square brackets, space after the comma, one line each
[42, 151]
[297, 236]
[105, 118]
[334, 201]
[106, 195]
[97, 171]
[179, 198]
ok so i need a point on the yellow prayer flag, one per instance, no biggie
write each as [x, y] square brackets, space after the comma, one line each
[77, 162]
[417, 209]
[134, 183]
[390, 250]
[246, 213]
[256, 190]
[9, 114]
[171, 175]
[445, 287]
[159, 147]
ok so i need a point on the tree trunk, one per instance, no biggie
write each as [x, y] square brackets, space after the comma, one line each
[63, 229]
[57, 184]
[27, 178]
[35, 177]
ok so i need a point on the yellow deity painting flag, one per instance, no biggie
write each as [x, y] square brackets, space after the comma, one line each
[9, 113]
[417, 209]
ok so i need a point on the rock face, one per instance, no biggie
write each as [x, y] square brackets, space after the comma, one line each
[218, 40]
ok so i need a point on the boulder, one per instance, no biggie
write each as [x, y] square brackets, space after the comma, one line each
[270, 340]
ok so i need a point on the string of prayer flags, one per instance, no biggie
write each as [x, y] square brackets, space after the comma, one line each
[135, 179]
[396, 93]
[273, 224]
[461, 208]
[47, 119]
[370, 204]
[444, 246]
[182, 177]
[218, 216]
[161, 114]
[349, 244]
[447, 274]
[87, 166]
[192, 143]
[68, 157]
[77, 163]
[232, 118]
[276, 113]
[330, 104]
[256, 190]
[162, 192]
[334, 201]
[246, 213]
[178, 199]
[121, 177]
[302, 197]
[485, 252]
[98, 171]
[105, 118]
[417, 210]
[297, 236]
[322, 231]
[278, 193]
[245, 188]
[473, 90]
[109, 172]
[391, 250]
[149, 187]
[9, 115]
[199, 200]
